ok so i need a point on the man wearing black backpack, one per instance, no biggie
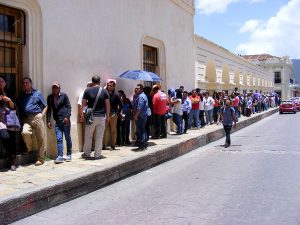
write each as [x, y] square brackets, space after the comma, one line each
[227, 114]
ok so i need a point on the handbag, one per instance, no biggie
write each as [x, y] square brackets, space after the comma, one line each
[168, 115]
[89, 112]
[12, 120]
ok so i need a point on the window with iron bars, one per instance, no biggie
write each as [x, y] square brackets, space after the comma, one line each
[12, 40]
[150, 62]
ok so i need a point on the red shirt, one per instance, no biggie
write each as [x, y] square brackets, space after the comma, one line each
[195, 105]
[235, 101]
[216, 104]
[160, 102]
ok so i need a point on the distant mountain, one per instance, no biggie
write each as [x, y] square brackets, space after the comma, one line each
[296, 64]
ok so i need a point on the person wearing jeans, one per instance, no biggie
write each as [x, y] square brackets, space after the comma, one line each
[176, 101]
[228, 118]
[235, 103]
[60, 129]
[186, 108]
[59, 103]
[141, 113]
[208, 108]
[194, 113]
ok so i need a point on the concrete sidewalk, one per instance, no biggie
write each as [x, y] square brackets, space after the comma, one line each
[31, 189]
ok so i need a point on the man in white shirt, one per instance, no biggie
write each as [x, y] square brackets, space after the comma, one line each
[208, 108]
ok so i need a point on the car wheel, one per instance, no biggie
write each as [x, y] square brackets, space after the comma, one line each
[280, 112]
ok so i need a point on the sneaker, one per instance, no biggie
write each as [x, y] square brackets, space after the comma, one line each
[98, 157]
[58, 160]
[39, 163]
[85, 156]
[68, 158]
[112, 147]
[13, 168]
[226, 145]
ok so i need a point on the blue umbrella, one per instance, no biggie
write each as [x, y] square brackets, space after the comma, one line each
[140, 75]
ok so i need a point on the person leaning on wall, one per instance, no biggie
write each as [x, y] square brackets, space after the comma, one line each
[59, 103]
[33, 108]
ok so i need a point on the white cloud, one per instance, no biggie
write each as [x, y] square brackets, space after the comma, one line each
[217, 6]
[255, 1]
[278, 36]
[250, 26]
[213, 6]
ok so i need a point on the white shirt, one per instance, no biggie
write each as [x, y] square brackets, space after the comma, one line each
[208, 103]
[177, 106]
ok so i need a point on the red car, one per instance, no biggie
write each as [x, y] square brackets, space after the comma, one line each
[287, 106]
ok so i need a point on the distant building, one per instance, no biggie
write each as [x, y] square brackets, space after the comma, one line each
[217, 69]
[282, 69]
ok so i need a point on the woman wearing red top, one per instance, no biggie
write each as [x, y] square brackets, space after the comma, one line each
[194, 113]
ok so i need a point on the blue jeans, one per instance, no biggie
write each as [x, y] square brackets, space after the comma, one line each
[194, 115]
[61, 129]
[236, 110]
[178, 121]
[141, 130]
[209, 116]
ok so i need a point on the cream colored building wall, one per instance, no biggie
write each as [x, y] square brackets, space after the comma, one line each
[70, 40]
[210, 57]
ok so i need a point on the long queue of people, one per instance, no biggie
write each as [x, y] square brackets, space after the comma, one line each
[107, 115]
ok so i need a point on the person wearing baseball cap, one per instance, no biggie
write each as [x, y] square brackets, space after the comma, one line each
[59, 104]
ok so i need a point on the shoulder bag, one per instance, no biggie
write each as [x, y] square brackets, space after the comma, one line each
[12, 120]
[89, 112]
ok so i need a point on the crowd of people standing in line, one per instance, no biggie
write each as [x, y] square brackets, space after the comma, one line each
[112, 113]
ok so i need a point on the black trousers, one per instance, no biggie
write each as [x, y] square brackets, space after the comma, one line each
[160, 128]
[227, 129]
[185, 118]
[8, 139]
[201, 117]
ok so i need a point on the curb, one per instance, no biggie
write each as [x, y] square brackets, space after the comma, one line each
[41, 198]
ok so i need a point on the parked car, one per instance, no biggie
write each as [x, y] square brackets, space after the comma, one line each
[296, 100]
[287, 106]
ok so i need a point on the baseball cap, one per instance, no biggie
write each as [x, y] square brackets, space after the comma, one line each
[56, 84]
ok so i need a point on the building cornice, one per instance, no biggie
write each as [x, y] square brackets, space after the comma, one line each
[187, 5]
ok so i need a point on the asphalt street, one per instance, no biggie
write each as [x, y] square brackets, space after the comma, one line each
[255, 181]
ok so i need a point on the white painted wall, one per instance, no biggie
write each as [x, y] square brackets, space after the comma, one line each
[81, 38]
[84, 37]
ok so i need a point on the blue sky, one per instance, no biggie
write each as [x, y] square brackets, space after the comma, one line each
[251, 26]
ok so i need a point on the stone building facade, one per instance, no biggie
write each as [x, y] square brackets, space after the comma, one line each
[282, 70]
[217, 69]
